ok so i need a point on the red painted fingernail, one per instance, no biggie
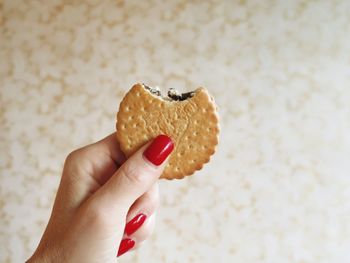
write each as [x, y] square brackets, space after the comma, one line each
[159, 149]
[125, 246]
[135, 224]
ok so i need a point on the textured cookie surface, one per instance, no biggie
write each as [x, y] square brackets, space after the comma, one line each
[192, 124]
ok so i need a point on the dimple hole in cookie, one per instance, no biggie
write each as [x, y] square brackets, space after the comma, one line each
[180, 154]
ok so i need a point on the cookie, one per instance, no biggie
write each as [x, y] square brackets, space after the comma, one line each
[189, 119]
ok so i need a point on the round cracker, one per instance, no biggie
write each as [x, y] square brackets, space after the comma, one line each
[192, 124]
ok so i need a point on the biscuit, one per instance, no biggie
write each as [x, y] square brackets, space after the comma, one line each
[189, 119]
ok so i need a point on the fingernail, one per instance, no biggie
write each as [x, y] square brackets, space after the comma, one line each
[159, 149]
[135, 224]
[125, 246]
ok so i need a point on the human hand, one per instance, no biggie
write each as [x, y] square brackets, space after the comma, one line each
[102, 200]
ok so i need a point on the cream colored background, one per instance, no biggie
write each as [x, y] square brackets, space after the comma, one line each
[277, 190]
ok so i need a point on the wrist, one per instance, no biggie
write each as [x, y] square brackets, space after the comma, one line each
[36, 259]
[40, 257]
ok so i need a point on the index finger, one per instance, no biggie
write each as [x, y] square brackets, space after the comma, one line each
[110, 146]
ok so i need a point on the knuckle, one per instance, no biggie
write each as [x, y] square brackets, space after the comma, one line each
[73, 156]
[77, 161]
[133, 174]
[152, 200]
[156, 202]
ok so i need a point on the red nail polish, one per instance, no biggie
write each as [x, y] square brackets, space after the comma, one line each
[135, 224]
[125, 246]
[159, 149]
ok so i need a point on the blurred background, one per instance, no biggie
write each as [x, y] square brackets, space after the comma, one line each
[278, 188]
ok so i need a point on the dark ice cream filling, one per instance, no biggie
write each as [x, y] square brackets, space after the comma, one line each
[173, 95]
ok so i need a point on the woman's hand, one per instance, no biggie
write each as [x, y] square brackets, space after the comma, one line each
[105, 205]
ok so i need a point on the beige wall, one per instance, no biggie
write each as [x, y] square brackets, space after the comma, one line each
[278, 188]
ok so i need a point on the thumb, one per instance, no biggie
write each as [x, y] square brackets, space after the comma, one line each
[135, 176]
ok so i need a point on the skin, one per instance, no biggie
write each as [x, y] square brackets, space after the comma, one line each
[99, 193]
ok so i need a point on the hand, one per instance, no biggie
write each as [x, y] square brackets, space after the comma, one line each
[104, 202]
